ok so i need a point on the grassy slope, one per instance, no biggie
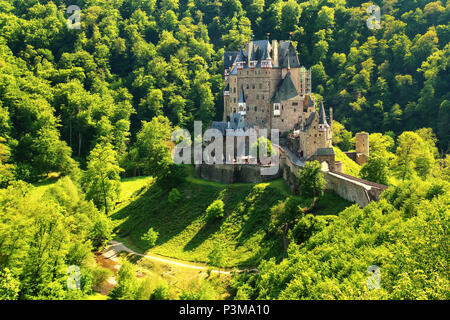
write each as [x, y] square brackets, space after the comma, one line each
[185, 233]
[349, 166]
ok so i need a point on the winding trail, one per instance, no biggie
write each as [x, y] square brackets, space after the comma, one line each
[116, 247]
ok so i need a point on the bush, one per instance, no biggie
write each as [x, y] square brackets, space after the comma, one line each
[161, 292]
[150, 237]
[215, 209]
[100, 275]
[174, 196]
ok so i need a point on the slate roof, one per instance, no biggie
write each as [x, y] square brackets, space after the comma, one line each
[237, 122]
[219, 125]
[242, 96]
[229, 58]
[241, 56]
[286, 90]
[310, 120]
[260, 50]
[287, 55]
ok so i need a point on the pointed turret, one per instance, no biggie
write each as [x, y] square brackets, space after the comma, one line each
[322, 115]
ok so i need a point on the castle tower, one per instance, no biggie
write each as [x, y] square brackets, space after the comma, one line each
[362, 143]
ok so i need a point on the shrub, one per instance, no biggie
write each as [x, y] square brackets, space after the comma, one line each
[174, 196]
[215, 209]
[100, 275]
[150, 237]
[161, 292]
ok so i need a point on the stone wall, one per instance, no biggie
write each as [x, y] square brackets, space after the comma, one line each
[232, 173]
[350, 188]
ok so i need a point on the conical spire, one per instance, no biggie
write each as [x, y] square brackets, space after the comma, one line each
[322, 116]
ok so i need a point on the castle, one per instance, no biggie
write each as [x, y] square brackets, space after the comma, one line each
[266, 87]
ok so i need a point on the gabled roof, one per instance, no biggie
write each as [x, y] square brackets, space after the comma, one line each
[260, 50]
[309, 120]
[219, 125]
[237, 122]
[241, 56]
[287, 52]
[229, 58]
[286, 90]
[242, 96]
[308, 101]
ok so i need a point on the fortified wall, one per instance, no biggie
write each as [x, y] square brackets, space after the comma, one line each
[348, 187]
[233, 173]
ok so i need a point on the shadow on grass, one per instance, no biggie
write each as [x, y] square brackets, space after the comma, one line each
[152, 210]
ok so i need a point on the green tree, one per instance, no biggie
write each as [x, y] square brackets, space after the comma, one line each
[150, 237]
[311, 181]
[413, 155]
[376, 170]
[101, 180]
[127, 284]
[215, 210]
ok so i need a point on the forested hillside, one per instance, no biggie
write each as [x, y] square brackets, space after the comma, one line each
[89, 106]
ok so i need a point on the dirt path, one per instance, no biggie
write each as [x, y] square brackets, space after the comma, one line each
[116, 247]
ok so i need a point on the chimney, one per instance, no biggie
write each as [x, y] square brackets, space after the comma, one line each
[275, 53]
[331, 117]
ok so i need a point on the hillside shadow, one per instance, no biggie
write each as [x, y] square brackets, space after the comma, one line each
[152, 210]
[257, 217]
[213, 226]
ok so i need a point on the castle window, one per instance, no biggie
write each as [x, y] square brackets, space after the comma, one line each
[256, 108]
[295, 103]
[257, 97]
[248, 86]
[305, 109]
[234, 90]
[234, 100]
[253, 86]
[295, 110]
[260, 86]
[262, 97]
[248, 108]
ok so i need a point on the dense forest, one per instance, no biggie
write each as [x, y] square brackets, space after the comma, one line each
[98, 103]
